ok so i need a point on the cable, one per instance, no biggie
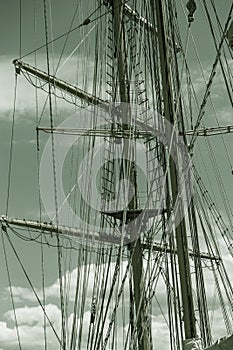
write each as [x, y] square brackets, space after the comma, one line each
[210, 81]
[31, 285]
[86, 22]
[11, 146]
[44, 298]
[20, 27]
[3, 229]
[63, 331]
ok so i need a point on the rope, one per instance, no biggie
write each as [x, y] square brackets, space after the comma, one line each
[11, 146]
[220, 60]
[43, 288]
[3, 229]
[20, 27]
[59, 252]
[220, 268]
[220, 26]
[86, 22]
[31, 285]
[210, 81]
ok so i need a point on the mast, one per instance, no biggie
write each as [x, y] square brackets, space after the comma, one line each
[135, 247]
[180, 231]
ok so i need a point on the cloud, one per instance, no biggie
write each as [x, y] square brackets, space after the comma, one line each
[219, 111]
[225, 115]
[31, 331]
[30, 327]
[53, 291]
[7, 85]
[34, 314]
[85, 281]
[26, 93]
[30, 318]
[22, 293]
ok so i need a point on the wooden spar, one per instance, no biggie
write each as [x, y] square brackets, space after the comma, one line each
[211, 131]
[131, 133]
[94, 236]
[61, 84]
[94, 100]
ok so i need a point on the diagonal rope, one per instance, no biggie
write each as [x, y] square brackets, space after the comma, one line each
[59, 251]
[85, 22]
[11, 146]
[10, 287]
[31, 285]
[210, 81]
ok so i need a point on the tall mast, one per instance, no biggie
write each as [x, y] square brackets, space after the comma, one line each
[135, 247]
[180, 231]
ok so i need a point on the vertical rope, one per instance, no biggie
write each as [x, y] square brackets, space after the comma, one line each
[20, 28]
[59, 252]
[10, 287]
[43, 288]
[11, 147]
[31, 285]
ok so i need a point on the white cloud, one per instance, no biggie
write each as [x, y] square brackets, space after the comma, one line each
[21, 293]
[7, 84]
[225, 115]
[70, 277]
[30, 318]
[30, 327]
[85, 286]
[26, 93]
[34, 314]
[217, 108]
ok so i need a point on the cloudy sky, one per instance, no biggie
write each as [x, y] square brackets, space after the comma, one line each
[24, 191]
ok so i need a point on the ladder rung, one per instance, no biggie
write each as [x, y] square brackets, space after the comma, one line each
[107, 190]
[106, 179]
[110, 171]
[140, 103]
[108, 64]
[110, 75]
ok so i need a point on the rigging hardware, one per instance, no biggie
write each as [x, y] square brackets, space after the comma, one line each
[191, 7]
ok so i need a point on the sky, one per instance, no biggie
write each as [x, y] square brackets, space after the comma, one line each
[24, 195]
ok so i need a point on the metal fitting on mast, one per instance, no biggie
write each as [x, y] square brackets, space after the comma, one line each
[191, 7]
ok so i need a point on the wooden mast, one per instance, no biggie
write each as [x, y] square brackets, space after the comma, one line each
[180, 231]
[135, 247]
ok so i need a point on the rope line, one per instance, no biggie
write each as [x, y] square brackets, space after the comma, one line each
[11, 146]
